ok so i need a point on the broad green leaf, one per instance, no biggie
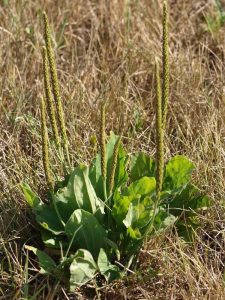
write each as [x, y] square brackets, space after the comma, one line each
[96, 177]
[163, 220]
[83, 190]
[141, 165]
[49, 220]
[132, 244]
[46, 263]
[60, 184]
[135, 192]
[79, 193]
[142, 187]
[186, 228]
[114, 247]
[110, 272]
[32, 199]
[177, 173]
[63, 204]
[133, 213]
[95, 171]
[134, 233]
[121, 206]
[200, 201]
[85, 231]
[46, 216]
[82, 269]
[140, 213]
[139, 216]
[54, 241]
[121, 175]
[189, 198]
[184, 205]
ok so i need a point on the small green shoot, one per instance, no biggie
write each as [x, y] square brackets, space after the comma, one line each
[216, 22]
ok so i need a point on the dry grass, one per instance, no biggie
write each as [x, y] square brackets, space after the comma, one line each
[106, 50]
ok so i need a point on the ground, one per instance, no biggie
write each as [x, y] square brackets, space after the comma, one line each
[107, 50]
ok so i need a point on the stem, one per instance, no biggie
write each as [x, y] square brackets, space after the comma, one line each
[104, 189]
[159, 148]
[55, 88]
[45, 154]
[114, 165]
[165, 65]
[103, 150]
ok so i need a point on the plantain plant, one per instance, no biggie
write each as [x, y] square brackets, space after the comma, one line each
[97, 217]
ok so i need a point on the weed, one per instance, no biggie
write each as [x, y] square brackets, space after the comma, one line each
[98, 216]
[92, 57]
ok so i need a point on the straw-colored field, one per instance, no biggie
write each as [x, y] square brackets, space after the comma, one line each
[107, 50]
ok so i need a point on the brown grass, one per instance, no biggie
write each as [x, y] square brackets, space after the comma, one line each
[107, 50]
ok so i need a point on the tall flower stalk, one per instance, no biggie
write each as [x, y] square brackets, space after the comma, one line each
[162, 98]
[113, 165]
[45, 155]
[49, 99]
[55, 87]
[165, 65]
[159, 136]
[103, 149]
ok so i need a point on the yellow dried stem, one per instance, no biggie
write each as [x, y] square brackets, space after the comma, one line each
[165, 65]
[113, 166]
[55, 86]
[45, 155]
[49, 98]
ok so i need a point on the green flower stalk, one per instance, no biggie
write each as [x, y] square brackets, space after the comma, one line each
[159, 135]
[55, 86]
[45, 156]
[165, 64]
[103, 148]
[159, 148]
[162, 98]
[49, 98]
[114, 164]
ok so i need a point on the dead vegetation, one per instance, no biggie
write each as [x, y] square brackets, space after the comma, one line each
[107, 50]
